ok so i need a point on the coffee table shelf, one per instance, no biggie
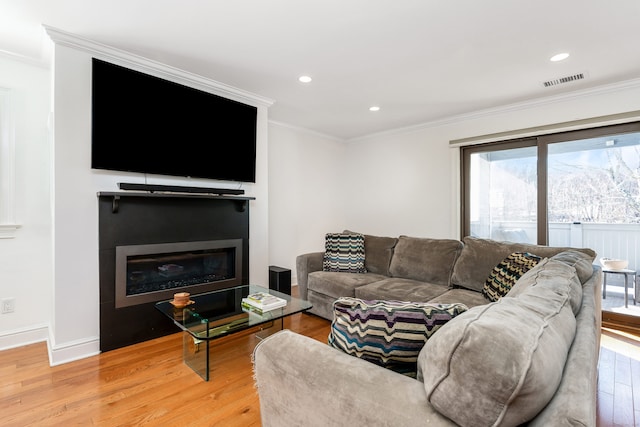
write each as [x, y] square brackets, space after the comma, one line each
[217, 314]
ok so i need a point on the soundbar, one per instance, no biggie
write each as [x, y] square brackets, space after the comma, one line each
[177, 189]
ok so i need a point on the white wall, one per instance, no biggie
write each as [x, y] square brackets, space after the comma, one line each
[403, 182]
[75, 319]
[307, 193]
[409, 180]
[25, 260]
[399, 182]
[401, 185]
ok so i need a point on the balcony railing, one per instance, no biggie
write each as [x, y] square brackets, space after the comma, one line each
[619, 241]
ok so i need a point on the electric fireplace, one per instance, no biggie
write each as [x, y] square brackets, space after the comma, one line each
[150, 273]
[153, 245]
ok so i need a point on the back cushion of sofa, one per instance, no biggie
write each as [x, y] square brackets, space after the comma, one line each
[378, 252]
[582, 262]
[480, 256]
[546, 274]
[427, 260]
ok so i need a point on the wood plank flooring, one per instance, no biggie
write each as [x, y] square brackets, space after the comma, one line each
[619, 379]
[148, 385]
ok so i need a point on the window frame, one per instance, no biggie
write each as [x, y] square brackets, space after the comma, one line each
[8, 224]
[465, 161]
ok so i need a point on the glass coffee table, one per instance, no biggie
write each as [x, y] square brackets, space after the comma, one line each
[217, 314]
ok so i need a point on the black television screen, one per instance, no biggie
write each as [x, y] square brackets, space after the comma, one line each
[142, 123]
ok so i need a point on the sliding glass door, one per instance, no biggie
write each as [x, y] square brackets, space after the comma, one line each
[594, 193]
[577, 189]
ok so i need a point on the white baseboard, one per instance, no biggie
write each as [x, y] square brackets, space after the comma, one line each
[76, 350]
[22, 337]
[58, 355]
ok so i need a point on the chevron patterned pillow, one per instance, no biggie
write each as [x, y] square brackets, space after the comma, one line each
[506, 274]
[387, 333]
[344, 252]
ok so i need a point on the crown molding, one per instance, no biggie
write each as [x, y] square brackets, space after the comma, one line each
[611, 119]
[156, 68]
[306, 130]
[569, 96]
[488, 112]
[41, 63]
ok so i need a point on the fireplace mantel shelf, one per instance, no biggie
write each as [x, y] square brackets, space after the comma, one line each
[242, 200]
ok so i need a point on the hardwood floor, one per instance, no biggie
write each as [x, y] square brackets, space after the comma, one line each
[142, 384]
[147, 384]
[619, 379]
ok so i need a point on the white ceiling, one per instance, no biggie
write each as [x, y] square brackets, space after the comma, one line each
[419, 60]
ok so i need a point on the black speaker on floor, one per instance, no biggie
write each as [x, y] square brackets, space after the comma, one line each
[280, 279]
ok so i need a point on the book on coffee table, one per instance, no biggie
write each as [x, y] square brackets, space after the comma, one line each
[263, 301]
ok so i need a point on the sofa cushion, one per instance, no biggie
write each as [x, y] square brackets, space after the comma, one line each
[501, 363]
[344, 252]
[396, 288]
[465, 296]
[378, 252]
[387, 333]
[479, 256]
[506, 273]
[339, 284]
[427, 260]
[543, 275]
[582, 262]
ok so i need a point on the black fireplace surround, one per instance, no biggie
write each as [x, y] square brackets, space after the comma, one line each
[153, 245]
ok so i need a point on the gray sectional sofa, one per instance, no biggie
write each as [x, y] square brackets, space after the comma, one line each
[412, 269]
[530, 357]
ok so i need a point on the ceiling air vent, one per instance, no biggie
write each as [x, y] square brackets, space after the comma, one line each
[562, 80]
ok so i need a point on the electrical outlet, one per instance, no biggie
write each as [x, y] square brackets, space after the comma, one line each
[8, 305]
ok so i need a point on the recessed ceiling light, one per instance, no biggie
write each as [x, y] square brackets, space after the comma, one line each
[374, 108]
[305, 79]
[559, 57]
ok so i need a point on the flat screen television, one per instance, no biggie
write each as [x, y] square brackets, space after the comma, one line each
[143, 123]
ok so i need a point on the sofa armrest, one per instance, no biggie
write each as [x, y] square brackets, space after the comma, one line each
[304, 382]
[305, 264]
[575, 401]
